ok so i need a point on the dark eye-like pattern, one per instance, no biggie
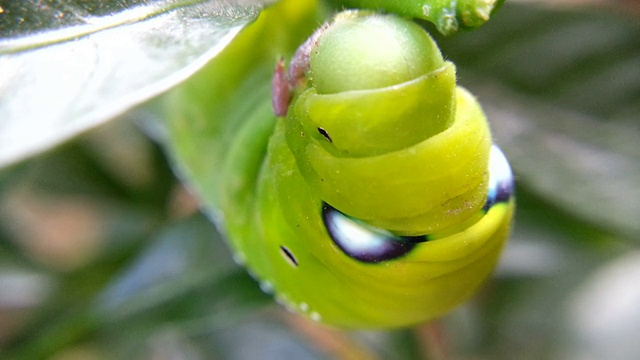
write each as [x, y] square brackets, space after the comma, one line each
[370, 244]
[364, 242]
[501, 184]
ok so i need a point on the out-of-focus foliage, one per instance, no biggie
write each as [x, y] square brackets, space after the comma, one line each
[103, 254]
[565, 86]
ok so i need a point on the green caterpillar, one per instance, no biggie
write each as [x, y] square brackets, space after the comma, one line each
[379, 200]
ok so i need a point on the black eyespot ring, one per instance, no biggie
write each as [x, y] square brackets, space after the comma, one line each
[364, 242]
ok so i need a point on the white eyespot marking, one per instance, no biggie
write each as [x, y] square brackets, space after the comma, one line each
[499, 169]
[365, 242]
[501, 186]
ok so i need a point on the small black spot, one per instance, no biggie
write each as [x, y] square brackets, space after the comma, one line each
[324, 133]
[288, 256]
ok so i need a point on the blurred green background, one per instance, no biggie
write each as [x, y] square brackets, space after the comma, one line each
[104, 254]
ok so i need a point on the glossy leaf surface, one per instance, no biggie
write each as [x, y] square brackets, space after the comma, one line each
[67, 66]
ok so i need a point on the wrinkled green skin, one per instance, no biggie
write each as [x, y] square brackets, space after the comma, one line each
[256, 191]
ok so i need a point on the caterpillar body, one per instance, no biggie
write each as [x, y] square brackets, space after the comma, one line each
[376, 199]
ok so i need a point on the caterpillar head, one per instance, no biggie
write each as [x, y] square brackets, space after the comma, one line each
[373, 99]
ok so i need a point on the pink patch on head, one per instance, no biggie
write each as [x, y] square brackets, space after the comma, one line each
[280, 90]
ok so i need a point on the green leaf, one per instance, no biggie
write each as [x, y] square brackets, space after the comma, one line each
[68, 66]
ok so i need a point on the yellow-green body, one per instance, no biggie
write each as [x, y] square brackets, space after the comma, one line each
[270, 177]
[330, 286]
